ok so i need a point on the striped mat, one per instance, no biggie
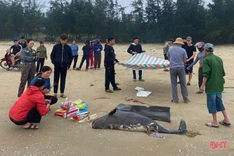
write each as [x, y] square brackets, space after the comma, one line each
[144, 61]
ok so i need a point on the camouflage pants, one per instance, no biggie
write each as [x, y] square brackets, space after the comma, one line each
[27, 74]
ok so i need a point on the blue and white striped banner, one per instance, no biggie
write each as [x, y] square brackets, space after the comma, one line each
[144, 61]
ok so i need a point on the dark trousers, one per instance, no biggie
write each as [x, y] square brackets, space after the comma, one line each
[200, 77]
[60, 71]
[85, 57]
[97, 60]
[134, 74]
[110, 77]
[75, 58]
[40, 64]
[27, 74]
[33, 117]
[52, 98]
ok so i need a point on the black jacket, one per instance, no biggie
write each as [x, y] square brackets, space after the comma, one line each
[135, 48]
[109, 56]
[59, 56]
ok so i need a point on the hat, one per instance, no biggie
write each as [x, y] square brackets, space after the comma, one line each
[209, 47]
[189, 38]
[179, 40]
[200, 44]
[86, 41]
[41, 42]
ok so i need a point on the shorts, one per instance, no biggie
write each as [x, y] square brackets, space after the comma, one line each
[190, 70]
[165, 57]
[215, 103]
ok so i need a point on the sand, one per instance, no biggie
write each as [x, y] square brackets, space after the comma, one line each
[58, 136]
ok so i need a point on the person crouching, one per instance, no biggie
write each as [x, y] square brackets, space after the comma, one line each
[30, 107]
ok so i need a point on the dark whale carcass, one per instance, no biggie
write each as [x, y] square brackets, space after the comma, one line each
[121, 120]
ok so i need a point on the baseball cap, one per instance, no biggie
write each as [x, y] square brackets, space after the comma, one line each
[209, 47]
[189, 38]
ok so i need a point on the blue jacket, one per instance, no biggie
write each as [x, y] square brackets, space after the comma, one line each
[96, 47]
[74, 49]
[47, 84]
[86, 49]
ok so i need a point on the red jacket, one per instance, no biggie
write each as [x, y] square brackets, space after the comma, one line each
[31, 98]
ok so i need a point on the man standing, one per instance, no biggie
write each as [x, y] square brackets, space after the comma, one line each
[61, 57]
[135, 48]
[109, 63]
[213, 73]
[191, 53]
[28, 58]
[185, 43]
[16, 51]
[166, 49]
[177, 57]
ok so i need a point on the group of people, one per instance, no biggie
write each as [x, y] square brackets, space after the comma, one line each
[210, 77]
[91, 54]
[35, 101]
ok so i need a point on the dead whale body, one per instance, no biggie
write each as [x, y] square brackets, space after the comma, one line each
[121, 120]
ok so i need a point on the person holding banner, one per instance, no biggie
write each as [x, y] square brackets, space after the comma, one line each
[135, 48]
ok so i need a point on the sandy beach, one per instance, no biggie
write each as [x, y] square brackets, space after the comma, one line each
[58, 136]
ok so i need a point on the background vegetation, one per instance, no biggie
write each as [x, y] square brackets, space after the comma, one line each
[151, 20]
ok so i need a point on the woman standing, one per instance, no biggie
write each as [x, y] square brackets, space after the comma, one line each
[45, 74]
[86, 51]
[200, 57]
[30, 107]
[91, 55]
[42, 56]
[75, 49]
[97, 48]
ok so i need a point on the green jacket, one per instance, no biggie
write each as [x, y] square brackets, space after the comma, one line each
[214, 72]
[43, 52]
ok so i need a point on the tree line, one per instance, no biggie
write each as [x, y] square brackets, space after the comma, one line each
[153, 21]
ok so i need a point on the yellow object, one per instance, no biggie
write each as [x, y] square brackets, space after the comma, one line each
[81, 106]
[92, 117]
[61, 111]
[77, 101]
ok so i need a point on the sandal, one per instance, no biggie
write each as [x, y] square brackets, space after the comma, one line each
[116, 89]
[174, 101]
[210, 125]
[63, 96]
[109, 91]
[224, 123]
[32, 126]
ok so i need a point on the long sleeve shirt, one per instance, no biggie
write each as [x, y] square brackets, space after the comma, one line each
[32, 97]
[214, 72]
[75, 49]
[42, 52]
[109, 56]
[166, 48]
[200, 57]
[61, 54]
[96, 47]
[28, 56]
[86, 49]
[134, 48]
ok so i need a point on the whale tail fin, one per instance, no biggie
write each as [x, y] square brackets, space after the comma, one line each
[183, 128]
